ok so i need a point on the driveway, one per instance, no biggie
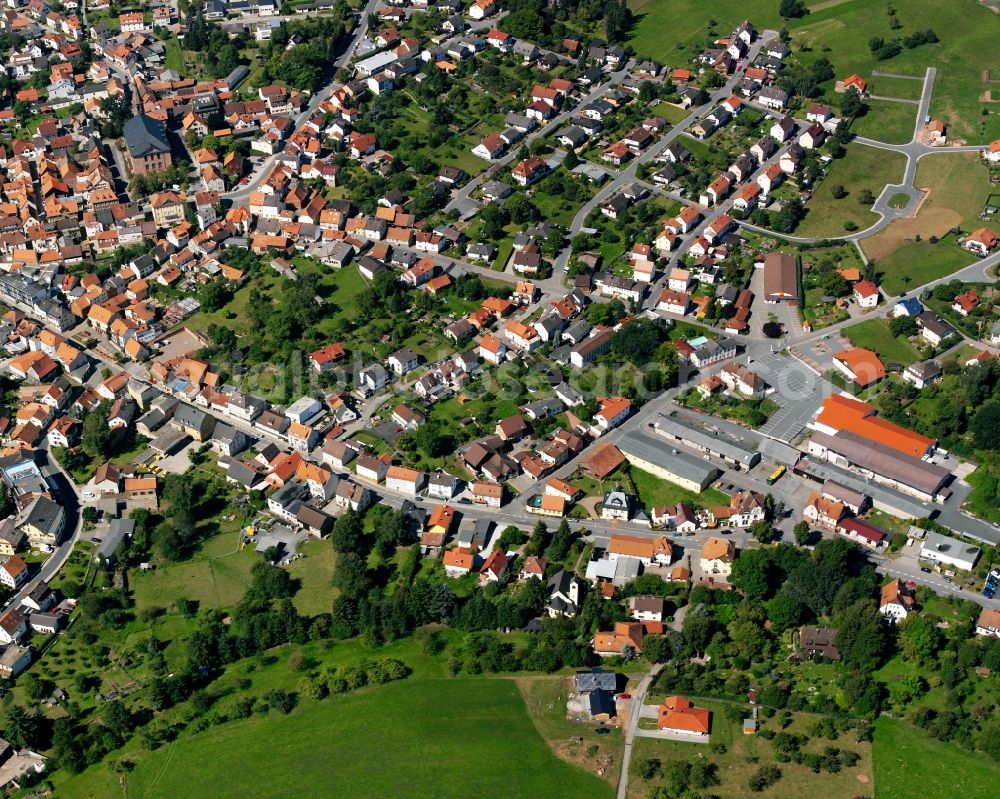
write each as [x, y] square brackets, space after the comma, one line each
[633, 725]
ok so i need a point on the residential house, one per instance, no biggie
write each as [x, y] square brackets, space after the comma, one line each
[860, 365]
[487, 493]
[820, 641]
[922, 373]
[896, 602]
[44, 523]
[866, 294]
[717, 556]
[405, 481]
[494, 567]
[679, 717]
[625, 638]
[824, 512]
[458, 562]
[649, 551]
[403, 361]
[647, 608]
[14, 572]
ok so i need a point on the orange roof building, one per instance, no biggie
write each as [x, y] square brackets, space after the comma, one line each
[840, 413]
[861, 366]
[855, 81]
[680, 574]
[441, 519]
[656, 549]
[552, 505]
[679, 715]
[718, 549]
[625, 634]
[458, 562]
[603, 461]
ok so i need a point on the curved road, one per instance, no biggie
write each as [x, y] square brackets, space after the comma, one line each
[69, 498]
[914, 150]
[628, 175]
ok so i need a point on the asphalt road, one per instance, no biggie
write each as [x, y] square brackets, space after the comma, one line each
[633, 724]
[628, 175]
[463, 195]
[350, 46]
[70, 500]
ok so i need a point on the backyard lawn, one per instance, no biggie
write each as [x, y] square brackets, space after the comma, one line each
[234, 314]
[906, 757]
[174, 56]
[821, 314]
[670, 112]
[874, 335]
[862, 168]
[424, 734]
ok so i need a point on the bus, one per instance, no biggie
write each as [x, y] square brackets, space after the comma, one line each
[775, 475]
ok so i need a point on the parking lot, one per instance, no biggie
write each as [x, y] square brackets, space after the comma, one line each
[179, 344]
[798, 392]
[819, 353]
[179, 461]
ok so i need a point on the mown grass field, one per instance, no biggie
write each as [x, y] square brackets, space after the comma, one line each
[903, 87]
[665, 28]
[887, 121]
[315, 575]
[862, 168]
[874, 335]
[840, 31]
[906, 757]
[216, 577]
[416, 738]
[654, 492]
[919, 262]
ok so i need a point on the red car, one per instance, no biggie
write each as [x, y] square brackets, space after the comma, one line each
[624, 696]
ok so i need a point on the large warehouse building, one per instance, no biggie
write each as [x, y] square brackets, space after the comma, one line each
[665, 461]
[780, 278]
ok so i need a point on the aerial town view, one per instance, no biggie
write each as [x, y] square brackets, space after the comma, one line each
[505, 398]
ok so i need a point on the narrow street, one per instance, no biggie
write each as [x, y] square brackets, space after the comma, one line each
[638, 696]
